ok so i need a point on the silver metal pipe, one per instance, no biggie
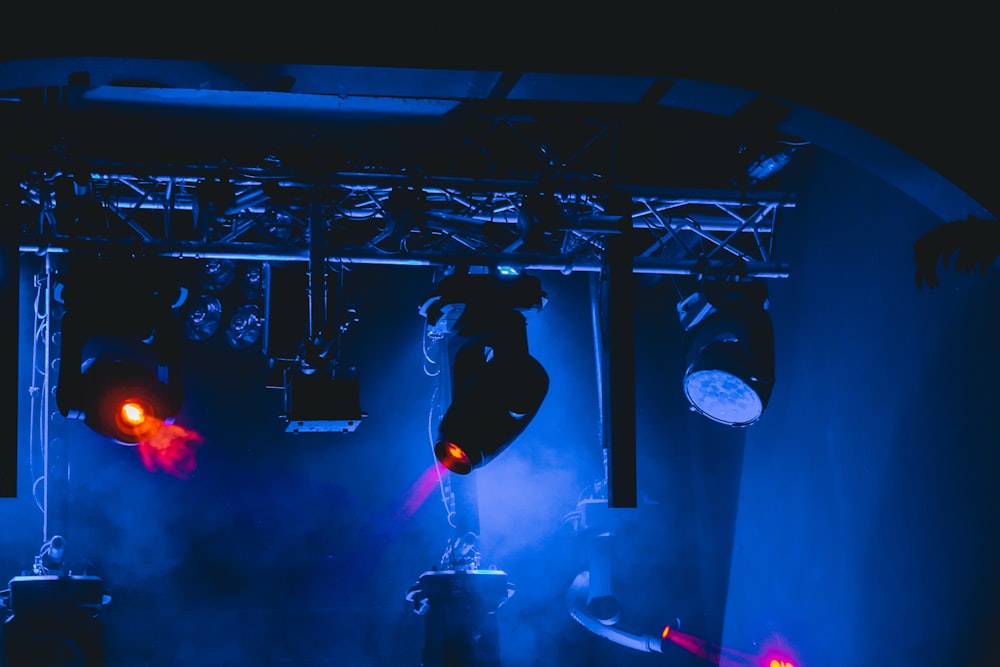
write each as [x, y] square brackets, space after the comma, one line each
[531, 261]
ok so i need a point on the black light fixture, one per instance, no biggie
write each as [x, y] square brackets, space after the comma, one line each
[216, 274]
[119, 366]
[252, 281]
[203, 317]
[729, 351]
[769, 164]
[220, 289]
[244, 326]
[496, 386]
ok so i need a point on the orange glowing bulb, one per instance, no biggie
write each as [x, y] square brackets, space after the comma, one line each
[666, 631]
[132, 413]
[455, 452]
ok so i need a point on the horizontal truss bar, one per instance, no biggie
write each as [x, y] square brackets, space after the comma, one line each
[521, 261]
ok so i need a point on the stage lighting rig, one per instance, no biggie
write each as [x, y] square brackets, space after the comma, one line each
[496, 386]
[119, 369]
[226, 296]
[729, 350]
[321, 399]
[321, 394]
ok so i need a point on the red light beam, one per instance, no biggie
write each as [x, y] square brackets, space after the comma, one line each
[418, 492]
[709, 651]
[171, 450]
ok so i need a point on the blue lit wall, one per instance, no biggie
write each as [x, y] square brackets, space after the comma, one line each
[868, 507]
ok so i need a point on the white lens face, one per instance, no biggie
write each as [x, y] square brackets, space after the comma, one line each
[723, 397]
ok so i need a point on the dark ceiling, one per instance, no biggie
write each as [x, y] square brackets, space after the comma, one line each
[923, 83]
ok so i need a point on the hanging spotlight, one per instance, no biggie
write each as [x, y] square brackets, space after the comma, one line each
[123, 399]
[539, 215]
[497, 387]
[278, 225]
[118, 370]
[729, 357]
[203, 317]
[252, 282]
[244, 327]
[217, 274]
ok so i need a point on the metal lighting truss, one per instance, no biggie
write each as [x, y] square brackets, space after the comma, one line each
[403, 167]
[390, 166]
[382, 219]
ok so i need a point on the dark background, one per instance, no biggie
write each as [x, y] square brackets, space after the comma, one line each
[921, 79]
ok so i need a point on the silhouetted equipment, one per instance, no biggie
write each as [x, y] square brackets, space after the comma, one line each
[203, 317]
[459, 608]
[10, 313]
[51, 558]
[54, 620]
[218, 298]
[965, 245]
[320, 395]
[55, 594]
[729, 351]
[769, 164]
[318, 401]
[596, 525]
[615, 336]
[52, 614]
[497, 387]
[119, 370]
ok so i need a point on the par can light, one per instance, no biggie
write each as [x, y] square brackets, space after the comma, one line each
[729, 359]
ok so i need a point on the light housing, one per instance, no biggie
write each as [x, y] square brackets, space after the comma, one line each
[203, 317]
[494, 400]
[123, 399]
[118, 371]
[215, 275]
[496, 386]
[245, 326]
[729, 352]
[322, 400]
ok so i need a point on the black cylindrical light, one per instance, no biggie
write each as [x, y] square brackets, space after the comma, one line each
[489, 410]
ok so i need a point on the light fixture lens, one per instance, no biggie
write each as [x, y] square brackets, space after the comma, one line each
[123, 400]
[244, 327]
[724, 397]
[253, 283]
[133, 413]
[453, 457]
[136, 421]
[203, 318]
[730, 361]
[217, 274]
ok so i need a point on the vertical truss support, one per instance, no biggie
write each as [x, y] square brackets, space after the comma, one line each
[10, 300]
[619, 354]
[317, 284]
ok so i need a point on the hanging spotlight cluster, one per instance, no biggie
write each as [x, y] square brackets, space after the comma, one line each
[119, 369]
[729, 351]
[496, 386]
[230, 292]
